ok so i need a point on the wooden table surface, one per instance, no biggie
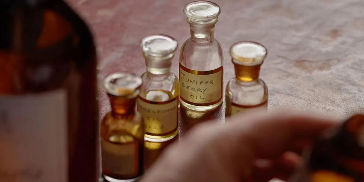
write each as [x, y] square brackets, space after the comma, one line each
[316, 47]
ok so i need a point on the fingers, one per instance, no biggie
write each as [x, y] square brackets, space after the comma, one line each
[280, 168]
[269, 135]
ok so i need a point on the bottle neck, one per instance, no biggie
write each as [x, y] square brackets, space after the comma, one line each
[122, 106]
[159, 66]
[247, 73]
[202, 33]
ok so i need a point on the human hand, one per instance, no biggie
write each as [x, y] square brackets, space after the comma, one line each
[255, 147]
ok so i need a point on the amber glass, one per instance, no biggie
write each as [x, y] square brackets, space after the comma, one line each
[46, 48]
[246, 92]
[338, 156]
[122, 130]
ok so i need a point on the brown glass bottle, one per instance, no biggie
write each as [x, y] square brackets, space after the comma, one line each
[122, 130]
[337, 157]
[48, 108]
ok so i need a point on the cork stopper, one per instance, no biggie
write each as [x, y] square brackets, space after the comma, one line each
[202, 12]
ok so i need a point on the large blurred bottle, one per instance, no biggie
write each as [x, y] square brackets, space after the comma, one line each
[48, 108]
[338, 157]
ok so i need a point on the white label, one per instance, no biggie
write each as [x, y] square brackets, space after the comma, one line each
[33, 138]
[159, 118]
[202, 88]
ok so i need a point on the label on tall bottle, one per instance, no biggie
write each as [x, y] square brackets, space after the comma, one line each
[33, 137]
[159, 117]
[201, 87]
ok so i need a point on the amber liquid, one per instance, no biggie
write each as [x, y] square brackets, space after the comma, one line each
[122, 146]
[247, 73]
[159, 109]
[45, 47]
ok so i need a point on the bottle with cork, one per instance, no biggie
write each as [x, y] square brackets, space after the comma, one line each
[246, 92]
[122, 130]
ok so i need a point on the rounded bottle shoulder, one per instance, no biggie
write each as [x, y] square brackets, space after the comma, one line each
[56, 43]
[132, 124]
[246, 86]
[109, 119]
[168, 82]
[153, 77]
[201, 57]
[247, 93]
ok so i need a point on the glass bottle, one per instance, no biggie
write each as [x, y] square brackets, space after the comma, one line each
[48, 107]
[337, 156]
[152, 151]
[200, 64]
[246, 92]
[122, 130]
[157, 100]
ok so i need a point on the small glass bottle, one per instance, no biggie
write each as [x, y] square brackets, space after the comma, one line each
[338, 156]
[246, 92]
[157, 102]
[122, 130]
[200, 64]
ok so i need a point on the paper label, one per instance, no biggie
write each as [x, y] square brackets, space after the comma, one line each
[120, 159]
[159, 118]
[201, 87]
[33, 137]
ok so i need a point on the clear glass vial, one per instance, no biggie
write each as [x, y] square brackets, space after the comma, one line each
[122, 130]
[246, 92]
[158, 98]
[200, 64]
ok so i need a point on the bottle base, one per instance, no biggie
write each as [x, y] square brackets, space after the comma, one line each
[158, 138]
[111, 179]
[200, 108]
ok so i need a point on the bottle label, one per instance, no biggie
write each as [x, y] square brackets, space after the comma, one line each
[33, 137]
[201, 87]
[120, 159]
[159, 117]
[236, 108]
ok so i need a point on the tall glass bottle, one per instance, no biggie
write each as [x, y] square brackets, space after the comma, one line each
[48, 108]
[200, 64]
[158, 101]
[337, 156]
[122, 130]
[246, 92]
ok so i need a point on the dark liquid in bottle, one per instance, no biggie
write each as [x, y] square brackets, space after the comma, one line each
[45, 47]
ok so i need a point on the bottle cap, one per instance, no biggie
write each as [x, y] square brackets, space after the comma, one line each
[248, 53]
[202, 12]
[122, 84]
[158, 51]
[161, 46]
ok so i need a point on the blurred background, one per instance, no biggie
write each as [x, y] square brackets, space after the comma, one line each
[315, 47]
